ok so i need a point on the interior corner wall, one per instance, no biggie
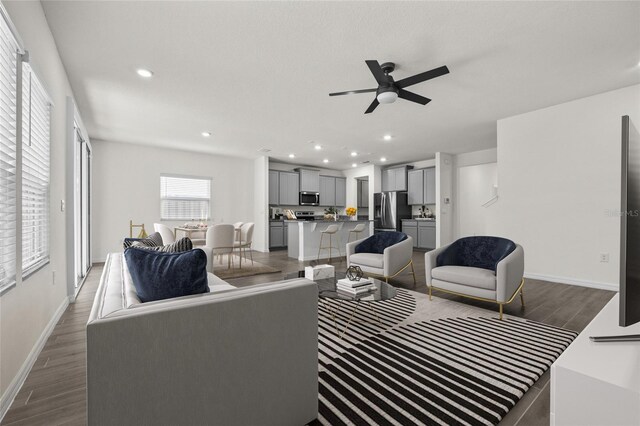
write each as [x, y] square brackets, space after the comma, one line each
[126, 186]
[444, 199]
[261, 204]
[31, 308]
[559, 181]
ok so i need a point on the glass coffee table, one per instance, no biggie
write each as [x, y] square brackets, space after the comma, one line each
[327, 290]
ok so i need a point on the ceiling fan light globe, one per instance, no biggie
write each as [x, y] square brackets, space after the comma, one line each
[387, 97]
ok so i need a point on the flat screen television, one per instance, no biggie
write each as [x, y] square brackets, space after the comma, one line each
[630, 226]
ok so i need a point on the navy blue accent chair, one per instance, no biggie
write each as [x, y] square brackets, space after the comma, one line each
[477, 252]
[378, 242]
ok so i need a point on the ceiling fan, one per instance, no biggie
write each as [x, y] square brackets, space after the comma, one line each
[389, 90]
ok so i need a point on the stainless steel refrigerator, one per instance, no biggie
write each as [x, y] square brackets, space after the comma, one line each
[389, 209]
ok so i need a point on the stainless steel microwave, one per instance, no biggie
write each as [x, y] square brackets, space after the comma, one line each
[309, 198]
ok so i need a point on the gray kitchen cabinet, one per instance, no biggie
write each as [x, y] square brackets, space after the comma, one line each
[427, 235]
[327, 191]
[289, 188]
[395, 179]
[341, 192]
[415, 187]
[411, 229]
[276, 234]
[309, 180]
[363, 194]
[429, 196]
[274, 187]
[421, 186]
[285, 239]
[388, 180]
[333, 191]
[400, 178]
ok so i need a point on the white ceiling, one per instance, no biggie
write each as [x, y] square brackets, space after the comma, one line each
[258, 74]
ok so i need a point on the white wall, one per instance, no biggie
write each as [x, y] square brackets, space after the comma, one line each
[28, 310]
[474, 188]
[470, 191]
[558, 173]
[261, 204]
[126, 185]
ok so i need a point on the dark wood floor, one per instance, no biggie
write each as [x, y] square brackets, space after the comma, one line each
[54, 392]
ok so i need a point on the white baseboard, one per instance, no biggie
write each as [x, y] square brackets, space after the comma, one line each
[573, 281]
[10, 394]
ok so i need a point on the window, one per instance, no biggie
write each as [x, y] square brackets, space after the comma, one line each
[35, 172]
[8, 197]
[184, 198]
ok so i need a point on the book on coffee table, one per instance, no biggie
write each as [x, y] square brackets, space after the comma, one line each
[356, 290]
[346, 282]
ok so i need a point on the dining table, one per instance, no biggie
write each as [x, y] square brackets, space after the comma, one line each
[189, 230]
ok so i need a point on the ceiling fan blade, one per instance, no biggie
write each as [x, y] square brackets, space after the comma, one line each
[352, 92]
[377, 72]
[373, 106]
[410, 96]
[419, 78]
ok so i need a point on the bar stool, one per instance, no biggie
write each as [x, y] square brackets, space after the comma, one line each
[330, 231]
[356, 230]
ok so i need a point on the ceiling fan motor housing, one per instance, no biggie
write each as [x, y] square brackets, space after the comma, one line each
[387, 94]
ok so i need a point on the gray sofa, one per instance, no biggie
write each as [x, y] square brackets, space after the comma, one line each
[234, 356]
[494, 274]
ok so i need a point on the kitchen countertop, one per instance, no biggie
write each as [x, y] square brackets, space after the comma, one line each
[421, 220]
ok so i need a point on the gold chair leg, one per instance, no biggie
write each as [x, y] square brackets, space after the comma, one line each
[430, 293]
[522, 296]
[251, 254]
[320, 247]
[413, 271]
[501, 306]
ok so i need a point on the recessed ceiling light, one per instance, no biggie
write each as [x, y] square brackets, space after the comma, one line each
[387, 137]
[318, 147]
[354, 165]
[383, 159]
[292, 156]
[354, 154]
[144, 73]
[326, 160]
[206, 134]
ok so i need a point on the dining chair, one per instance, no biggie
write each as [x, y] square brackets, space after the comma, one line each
[245, 241]
[220, 238]
[198, 236]
[165, 232]
[238, 227]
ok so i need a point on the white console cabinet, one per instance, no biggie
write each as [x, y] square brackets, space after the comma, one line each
[598, 383]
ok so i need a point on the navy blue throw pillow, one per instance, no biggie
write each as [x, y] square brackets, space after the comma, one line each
[158, 275]
[378, 242]
[477, 252]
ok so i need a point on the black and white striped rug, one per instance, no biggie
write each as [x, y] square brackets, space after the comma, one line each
[364, 324]
[445, 371]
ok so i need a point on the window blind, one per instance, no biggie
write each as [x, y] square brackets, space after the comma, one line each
[8, 196]
[184, 198]
[35, 172]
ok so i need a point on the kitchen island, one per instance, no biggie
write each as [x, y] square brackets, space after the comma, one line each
[304, 237]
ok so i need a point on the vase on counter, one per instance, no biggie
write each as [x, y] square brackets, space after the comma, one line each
[353, 217]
